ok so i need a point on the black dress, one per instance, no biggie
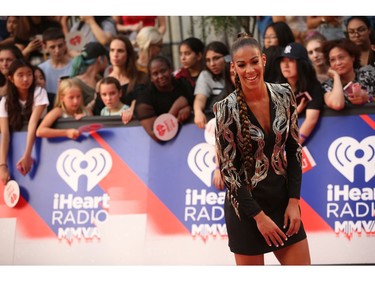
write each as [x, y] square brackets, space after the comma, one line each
[275, 176]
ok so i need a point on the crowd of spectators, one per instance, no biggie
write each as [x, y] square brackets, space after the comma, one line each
[330, 58]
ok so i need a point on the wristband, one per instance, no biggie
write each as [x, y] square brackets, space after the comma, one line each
[370, 98]
[302, 136]
[5, 165]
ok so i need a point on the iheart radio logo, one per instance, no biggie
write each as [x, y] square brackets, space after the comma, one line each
[201, 158]
[75, 40]
[346, 153]
[201, 161]
[95, 165]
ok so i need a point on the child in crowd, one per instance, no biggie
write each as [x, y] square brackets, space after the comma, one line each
[191, 58]
[40, 77]
[68, 103]
[24, 103]
[123, 67]
[110, 93]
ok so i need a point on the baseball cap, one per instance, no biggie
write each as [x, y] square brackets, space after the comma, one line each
[295, 51]
[93, 50]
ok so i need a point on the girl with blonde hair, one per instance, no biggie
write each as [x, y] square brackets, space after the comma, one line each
[68, 103]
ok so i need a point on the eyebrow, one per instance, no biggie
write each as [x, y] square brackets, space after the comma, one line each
[354, 28]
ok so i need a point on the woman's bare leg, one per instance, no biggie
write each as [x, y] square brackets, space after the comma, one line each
[249, 260]
[296, 254]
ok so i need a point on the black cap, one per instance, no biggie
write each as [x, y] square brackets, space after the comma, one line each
[93, 50]
[295, 51]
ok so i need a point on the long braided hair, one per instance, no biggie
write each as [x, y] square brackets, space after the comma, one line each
[244, 39]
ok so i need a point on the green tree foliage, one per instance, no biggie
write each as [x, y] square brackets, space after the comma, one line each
[229, 26]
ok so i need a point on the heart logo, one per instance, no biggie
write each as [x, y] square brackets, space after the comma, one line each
[165, 126]
[95, 165]
[76, 40]
[13, 198]
[201, 161]
[161, 129]
[345, 153]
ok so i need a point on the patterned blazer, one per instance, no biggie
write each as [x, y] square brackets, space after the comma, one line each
[284, 154]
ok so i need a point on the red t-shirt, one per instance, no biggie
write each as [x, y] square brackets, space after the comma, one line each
[147, 20]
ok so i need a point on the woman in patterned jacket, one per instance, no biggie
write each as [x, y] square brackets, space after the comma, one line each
[260, 162]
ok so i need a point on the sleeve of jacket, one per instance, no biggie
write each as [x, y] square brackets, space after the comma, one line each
[228, 146]
[293, 151]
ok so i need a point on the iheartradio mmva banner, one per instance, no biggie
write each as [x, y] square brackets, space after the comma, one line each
[341, 187]
[76, 187]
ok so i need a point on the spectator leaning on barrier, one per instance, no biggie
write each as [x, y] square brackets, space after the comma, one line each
[109, 90]
[210, 83]
[68, 103]
[343, 58]
[23, 104]
[191, 59]
[164, 94]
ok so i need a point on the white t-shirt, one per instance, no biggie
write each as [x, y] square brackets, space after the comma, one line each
[40, 98]
[207, 86]
[53, 74]
[107, 25]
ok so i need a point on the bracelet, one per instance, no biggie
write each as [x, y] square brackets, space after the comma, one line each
[302, 136]
[370, 98]
[217, 168]
[4, 165]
